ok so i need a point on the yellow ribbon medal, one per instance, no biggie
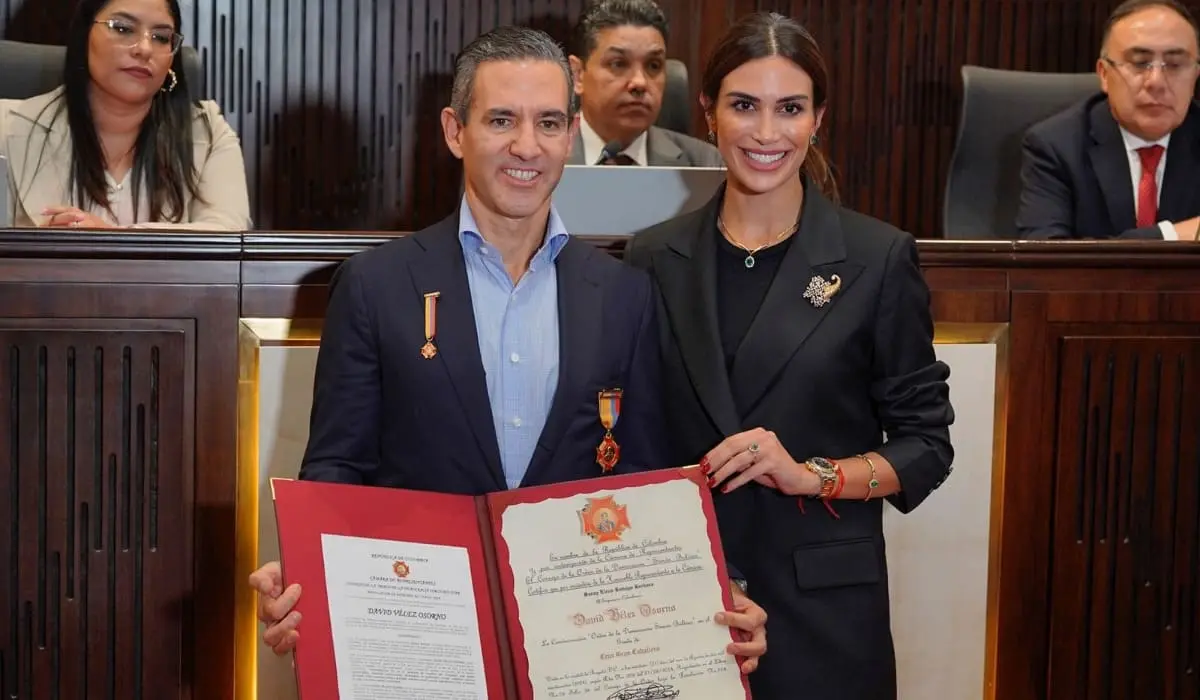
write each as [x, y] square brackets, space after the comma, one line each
[608, 453]
[429, 350]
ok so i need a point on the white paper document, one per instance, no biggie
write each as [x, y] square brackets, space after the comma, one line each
[404, 620]
[616, 592]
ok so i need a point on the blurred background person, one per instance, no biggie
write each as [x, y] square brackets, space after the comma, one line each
[620, 63]
[1124, 163]
[122, 143]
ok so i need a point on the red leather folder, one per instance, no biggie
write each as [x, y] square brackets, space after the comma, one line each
[307, 510]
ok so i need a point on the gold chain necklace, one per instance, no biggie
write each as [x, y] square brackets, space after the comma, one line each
[750, 253]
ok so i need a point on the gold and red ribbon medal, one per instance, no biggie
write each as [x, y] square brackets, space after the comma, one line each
[608, 453]
[429, 350]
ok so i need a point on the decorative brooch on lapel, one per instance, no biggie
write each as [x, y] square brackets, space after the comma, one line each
[429, 350]
[608, 452]
[819, 292]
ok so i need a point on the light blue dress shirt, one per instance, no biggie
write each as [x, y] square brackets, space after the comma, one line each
[517, 326]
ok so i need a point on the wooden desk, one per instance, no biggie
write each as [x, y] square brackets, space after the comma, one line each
[118, 429]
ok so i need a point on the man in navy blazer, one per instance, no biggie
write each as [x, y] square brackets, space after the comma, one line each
[472, 356]
[1124, 163]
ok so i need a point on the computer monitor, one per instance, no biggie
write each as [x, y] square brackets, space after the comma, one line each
[607, 200]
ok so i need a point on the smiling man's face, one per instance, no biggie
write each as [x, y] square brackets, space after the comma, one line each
[517, 135]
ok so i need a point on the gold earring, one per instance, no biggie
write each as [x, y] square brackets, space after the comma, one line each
[174, 81]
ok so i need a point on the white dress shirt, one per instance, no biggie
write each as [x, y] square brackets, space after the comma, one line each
[1132, 144]
[593, 145]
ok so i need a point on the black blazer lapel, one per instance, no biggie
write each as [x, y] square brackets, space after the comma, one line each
[1180, 194]
[786, 318]
[686, 271]
[442, 269]
[1111, 165]
[580, 334]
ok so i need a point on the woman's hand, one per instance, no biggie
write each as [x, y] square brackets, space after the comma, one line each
[759, 456]
[72, 217]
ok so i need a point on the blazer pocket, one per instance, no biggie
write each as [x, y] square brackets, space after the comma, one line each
[833, 564]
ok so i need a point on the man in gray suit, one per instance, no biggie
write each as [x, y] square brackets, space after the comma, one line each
[620, 59]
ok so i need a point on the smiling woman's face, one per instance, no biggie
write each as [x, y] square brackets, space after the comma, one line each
[131, 48]
[764, 121]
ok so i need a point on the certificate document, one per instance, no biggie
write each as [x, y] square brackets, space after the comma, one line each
[403, 620]
[616, 597]
[601, 589]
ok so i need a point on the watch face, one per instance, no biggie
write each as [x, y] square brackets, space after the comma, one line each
[823, 463]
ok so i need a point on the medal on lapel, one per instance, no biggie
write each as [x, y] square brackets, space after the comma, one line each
[608, 453]
[819, 292]
[429, 350]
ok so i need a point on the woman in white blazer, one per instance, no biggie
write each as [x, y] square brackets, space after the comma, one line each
[122, 143]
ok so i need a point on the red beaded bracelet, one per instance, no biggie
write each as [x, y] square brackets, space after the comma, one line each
[837, 491]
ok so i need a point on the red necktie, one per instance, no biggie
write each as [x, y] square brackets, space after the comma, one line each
[1147, 204]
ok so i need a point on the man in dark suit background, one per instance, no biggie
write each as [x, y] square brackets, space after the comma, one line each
[469, 357]
[1125, 163]
[620, 64]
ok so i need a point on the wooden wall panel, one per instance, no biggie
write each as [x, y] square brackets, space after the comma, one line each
[336, 101]
[118, 370]
[93, 481]
[1125, 576]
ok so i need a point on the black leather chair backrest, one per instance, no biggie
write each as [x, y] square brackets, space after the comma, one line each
[676, 112]
[28, 70]
[983, 188]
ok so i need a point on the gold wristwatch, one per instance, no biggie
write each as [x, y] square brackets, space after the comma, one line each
[827, 470]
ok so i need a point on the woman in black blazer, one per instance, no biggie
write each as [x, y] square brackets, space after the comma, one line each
[796, 335]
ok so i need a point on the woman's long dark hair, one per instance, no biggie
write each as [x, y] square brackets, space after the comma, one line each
[766, 34]
[163, 153]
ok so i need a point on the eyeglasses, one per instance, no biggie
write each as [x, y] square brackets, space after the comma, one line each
[1178, 68]
[127, 34]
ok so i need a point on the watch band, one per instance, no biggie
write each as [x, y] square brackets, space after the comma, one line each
[827, 471]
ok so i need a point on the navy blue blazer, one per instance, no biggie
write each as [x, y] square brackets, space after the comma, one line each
[1076, 182]
[383, 415]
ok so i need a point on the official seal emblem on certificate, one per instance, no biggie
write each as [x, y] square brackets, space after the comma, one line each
[603, 519]
[599, 589]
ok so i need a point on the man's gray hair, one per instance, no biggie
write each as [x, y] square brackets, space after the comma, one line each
[506, 44]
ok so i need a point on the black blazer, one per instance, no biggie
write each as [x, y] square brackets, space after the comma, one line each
[1076, 181]
[383, 415]
[828, 382]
